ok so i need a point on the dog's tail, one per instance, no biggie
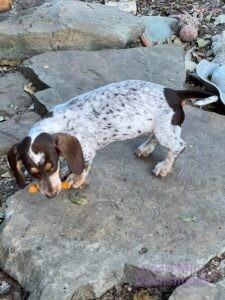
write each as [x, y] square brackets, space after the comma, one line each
[190, 94]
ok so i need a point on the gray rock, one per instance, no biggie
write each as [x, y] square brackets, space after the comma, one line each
[13, 97]
[221, 283]
[102, 67]
[14, 129]
[196, 289]
[218, 45]
[67, 25]
[59, 250]
[220, 20]
[46, 99]
[158, 29]
[4, 287]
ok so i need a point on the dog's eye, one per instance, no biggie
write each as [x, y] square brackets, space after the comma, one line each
[34, 170]
[48, 167]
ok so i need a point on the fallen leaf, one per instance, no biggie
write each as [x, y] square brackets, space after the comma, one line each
[177, 41]
[80, 200]
[208, 17]
[6, 175]
[29, 88]
[201, 42]
[188, 219]
[140, 296]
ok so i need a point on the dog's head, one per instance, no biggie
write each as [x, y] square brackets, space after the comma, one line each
[41, 159]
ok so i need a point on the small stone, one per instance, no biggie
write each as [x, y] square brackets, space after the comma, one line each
[129, 6]
[143, 250]
[119, 218]
[188, 33]
[31, 107]
[4, 287]
[2, 118]
[2, 214]
[220, 20]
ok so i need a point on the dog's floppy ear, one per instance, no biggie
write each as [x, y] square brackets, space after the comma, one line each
[70, 149]
[15, 164]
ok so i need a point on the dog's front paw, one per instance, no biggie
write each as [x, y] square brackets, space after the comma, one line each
[77, 181]
[161, 170]
[140, 153]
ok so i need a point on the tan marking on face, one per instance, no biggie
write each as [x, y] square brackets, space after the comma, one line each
[48, 166]
[34, 170]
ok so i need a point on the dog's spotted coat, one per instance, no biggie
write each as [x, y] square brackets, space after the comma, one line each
[115, 112]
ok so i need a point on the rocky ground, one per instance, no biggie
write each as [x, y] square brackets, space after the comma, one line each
[206, 11]
[10, 289]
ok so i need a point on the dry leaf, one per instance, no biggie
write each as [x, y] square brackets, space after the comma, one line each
[140, 296]
[201, 42]
[29, 88]
[80, 200]
[188, 219]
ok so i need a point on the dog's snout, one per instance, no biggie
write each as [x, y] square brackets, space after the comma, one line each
[51, 186]
[51, 196]
[50, 192]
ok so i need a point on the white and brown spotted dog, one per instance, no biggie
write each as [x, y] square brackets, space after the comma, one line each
[78, 128]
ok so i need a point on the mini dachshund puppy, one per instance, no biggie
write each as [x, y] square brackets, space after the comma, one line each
[79, 127]
[5, 5]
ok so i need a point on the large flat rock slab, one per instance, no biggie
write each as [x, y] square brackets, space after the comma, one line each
[67, 25]
[59, 250]
[15, 129]
[159, 29]
[13, 97]
[196, 289]
[70, 73]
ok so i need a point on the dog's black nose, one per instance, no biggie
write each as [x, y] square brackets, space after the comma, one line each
[51, 196]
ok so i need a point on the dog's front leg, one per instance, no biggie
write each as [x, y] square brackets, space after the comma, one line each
[79, 181]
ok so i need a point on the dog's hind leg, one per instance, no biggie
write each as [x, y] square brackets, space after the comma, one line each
[147, 147]
[169, 137]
